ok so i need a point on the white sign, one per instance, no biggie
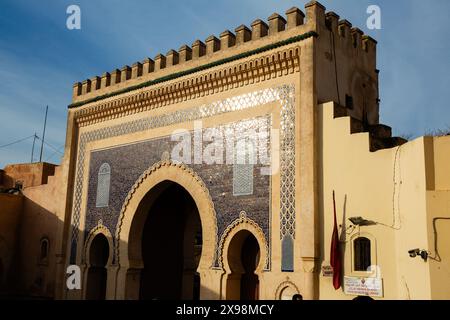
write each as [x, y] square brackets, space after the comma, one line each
[372, 287]
[327, 271]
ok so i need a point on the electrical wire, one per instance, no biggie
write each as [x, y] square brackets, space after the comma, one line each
[17, 141]
[396, 223]
[54, 148]
[53, 154]
[437, 256]
[51, 146]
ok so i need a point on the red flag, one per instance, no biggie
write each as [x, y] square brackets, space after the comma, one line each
[335, 253]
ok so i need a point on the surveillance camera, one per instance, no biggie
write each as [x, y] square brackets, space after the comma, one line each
[424, 255]
[414, 252]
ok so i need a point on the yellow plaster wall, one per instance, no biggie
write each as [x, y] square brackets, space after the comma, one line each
[438, 219]
[387, 187]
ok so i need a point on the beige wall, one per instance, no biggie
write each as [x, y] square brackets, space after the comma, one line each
[29, 174]
[439, 222]
[40, 221]
[24, 221]
[344, 67]
[388, 187]
[438, 217]
[10, 216]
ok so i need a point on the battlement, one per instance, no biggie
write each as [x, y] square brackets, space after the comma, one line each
[229, 46]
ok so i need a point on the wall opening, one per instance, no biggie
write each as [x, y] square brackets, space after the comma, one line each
[243, 258]
[171, 245]
[97, 273]
[43, 253]
[362, 254]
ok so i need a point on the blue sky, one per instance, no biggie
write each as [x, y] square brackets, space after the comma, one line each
[40, 58]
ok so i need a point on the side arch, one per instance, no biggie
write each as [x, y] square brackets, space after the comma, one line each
[99, 229]
[284, 286]
[233, 236]
[243, 223]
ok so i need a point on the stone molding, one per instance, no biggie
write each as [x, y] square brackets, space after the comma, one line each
[271, 66]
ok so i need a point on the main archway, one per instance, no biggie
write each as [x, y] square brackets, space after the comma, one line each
[170, 245]
[168, 207]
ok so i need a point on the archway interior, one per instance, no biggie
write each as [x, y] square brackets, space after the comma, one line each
[243, 259]
[171, 246]
[1, 274]
[97, 274]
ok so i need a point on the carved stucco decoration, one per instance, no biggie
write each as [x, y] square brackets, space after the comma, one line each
[271, 66]
[147, 173]
[243, 220]
[99, 229]
[283, 285]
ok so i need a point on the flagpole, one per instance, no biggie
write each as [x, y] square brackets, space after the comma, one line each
[335, 254]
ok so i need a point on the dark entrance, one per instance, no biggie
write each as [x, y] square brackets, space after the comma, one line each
[171, 246]
[97, 273]
[250, 260]
[243, 259]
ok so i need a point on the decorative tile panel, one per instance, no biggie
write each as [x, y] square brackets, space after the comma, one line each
[242, 179]
[221, 194]
[287, 177]
[103, 184]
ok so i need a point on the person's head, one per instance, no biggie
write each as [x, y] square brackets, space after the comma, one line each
[362, 298]
[297, 297]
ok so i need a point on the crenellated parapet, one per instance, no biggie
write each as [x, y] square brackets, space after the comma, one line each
[216, 50]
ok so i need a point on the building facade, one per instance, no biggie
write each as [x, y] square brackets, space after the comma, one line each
[208, 173]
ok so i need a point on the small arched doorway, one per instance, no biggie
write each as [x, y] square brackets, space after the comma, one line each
[289, 293]
[243, 258]
[170, 244]
[97, 273]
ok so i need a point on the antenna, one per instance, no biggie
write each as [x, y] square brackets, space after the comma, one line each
[32, 150]
[43, 134]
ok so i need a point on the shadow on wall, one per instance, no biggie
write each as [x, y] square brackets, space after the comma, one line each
[164, 250]
[31, 260]
[28, 260]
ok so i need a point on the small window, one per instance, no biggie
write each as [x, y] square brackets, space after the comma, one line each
[43, 254]
[103, 184]
[348, 101]
[362, 254]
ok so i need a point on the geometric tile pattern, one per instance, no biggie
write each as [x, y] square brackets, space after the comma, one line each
[287, 163]
[287, 179]
[283, 93]
[103, 184]
[242, 179]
